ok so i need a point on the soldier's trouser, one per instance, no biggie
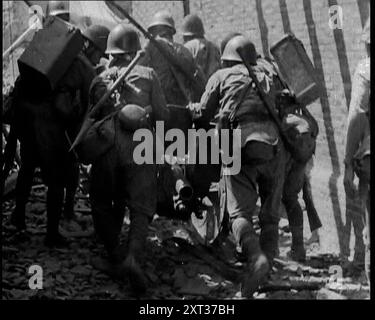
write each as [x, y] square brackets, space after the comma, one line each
[312, 214]
[242, 196]
[72, 181]
[56, 161]
[362, 169]
[24, 182]
[114, 185]
[204, 174]
[293, 184]
[25, 179]
[55, 172]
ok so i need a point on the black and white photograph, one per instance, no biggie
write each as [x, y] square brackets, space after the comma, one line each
[186, 155]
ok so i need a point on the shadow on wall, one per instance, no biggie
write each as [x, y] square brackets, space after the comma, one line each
[364, 9]
[285, 16]
[343, 59]
[263, 28]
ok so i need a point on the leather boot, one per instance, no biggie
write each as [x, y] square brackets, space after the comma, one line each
[269, 241]
[137, 238]
[297, 252]
[257, 266]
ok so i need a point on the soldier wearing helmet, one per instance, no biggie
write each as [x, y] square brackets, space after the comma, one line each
[262, 157]
[357, 152]
[96, 42]
[177, 86]
[207, 57]
[205, 53]
[59, 9]
[46, 123]
[117, 180]
[296, 177]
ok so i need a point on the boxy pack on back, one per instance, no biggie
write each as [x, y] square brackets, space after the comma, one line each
[51, 51]
[296, 69]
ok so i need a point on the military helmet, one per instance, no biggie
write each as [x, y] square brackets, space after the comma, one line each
[366, 32]
[240, 44]
[228, 37]
[162, 18]
[56, 8]
[123, 39]
[192, 26]
[98, 35]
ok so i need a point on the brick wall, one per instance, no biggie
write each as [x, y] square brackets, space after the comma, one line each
[335, 54]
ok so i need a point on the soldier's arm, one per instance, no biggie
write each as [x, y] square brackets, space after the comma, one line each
[210, 102]
[99, 87]
[358, 109]
[159, 104]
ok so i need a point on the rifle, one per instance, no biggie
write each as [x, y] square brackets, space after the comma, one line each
[89, 121]
[169, 57]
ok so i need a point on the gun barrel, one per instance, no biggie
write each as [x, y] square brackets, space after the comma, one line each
[184, 189]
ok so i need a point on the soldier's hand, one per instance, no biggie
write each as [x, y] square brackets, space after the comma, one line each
[194, 110]
[349, 185]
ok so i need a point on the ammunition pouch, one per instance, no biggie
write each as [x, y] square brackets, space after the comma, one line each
[98, 140]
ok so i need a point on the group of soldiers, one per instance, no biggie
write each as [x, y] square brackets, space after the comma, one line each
[210, 83]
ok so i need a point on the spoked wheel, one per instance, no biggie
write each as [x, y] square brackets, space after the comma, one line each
[208, 224]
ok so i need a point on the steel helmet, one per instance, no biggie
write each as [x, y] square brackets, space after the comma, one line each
[123, 39]
[162, 18]
[56, 8]
[228, 37]
[240, 44]
[98, 35]
[366, 32]
[192, 26]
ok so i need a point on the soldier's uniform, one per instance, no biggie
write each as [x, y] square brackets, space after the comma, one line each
[117, 181]
[177, 87]
[295, 179]
[260, 133]
[207, 57]
[42, 124]
[205, 53]
[357, 153]
[46, 123]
